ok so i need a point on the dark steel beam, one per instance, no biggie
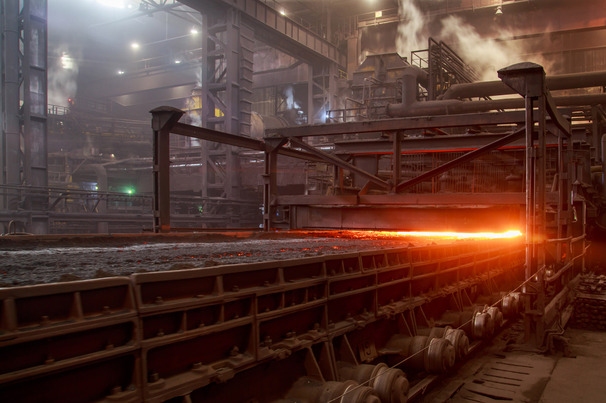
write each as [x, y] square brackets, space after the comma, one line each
[203, 133]
[411, 123]
[461, 160]
[556, 116]
[278, 30]
[435, 144]
[131, 89]
[339, 162]
[163, 120]
[297, 73]
[218, 136]
[409, 199]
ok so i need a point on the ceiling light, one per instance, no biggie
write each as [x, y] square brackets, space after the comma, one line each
[120, 72]
[67, 62]
[193, 31]
[135, 45]
[499, 10]
[378, 14]
[177, 61]
[282, 12]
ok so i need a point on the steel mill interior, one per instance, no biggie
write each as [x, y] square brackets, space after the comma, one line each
[312, 201]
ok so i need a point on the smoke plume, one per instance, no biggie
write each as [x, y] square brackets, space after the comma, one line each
[411, 32]
[485, 55]
[62, 75]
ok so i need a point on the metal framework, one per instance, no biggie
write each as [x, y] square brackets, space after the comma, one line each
[24, 112]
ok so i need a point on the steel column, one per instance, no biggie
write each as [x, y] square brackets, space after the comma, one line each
[10, 159]
[227, 88]
[270, 188]
[396, 159]
[34, 109]
[163, 120]
[540, 217]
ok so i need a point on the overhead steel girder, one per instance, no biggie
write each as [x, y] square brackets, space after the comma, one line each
[414, 123]
[278, 30]
[461, 160]
[443, 120]
[131, 90]
[340, 163]
[297, 73]
[453, 143]
[411, 199]
[558, 119]
[203, 133]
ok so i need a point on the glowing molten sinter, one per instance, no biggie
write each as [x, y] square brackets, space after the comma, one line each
[463, 235]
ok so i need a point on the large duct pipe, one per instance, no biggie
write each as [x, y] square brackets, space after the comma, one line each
[455, 106]
[413, 76]
[553, 83]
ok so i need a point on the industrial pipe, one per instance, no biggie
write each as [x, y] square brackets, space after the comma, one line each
[553, 83]
[455, 106]
[413, 76]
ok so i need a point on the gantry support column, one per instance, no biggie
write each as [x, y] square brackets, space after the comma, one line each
[163, 120]
[528, 79]
[322, 91]
[541, 311]
[226, 95]
[270, 181]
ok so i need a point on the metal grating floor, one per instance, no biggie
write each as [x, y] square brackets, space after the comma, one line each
[514, 378]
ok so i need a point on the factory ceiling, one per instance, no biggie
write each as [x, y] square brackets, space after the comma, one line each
[142, 53]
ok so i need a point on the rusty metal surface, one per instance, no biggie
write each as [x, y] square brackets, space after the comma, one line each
[157, 336]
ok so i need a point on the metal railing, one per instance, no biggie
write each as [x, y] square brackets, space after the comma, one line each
[79, 210]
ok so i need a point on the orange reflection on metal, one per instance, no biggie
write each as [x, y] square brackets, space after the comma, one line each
[460, 235]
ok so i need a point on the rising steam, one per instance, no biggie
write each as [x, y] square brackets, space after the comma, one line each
[411, 32]
[486, 55]
[63, 75]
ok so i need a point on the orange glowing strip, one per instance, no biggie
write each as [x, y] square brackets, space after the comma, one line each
[463, 235]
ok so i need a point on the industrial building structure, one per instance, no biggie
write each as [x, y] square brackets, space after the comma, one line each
[451, 115]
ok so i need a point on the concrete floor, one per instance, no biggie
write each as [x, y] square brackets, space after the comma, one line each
[495, 374]
[583, 378]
